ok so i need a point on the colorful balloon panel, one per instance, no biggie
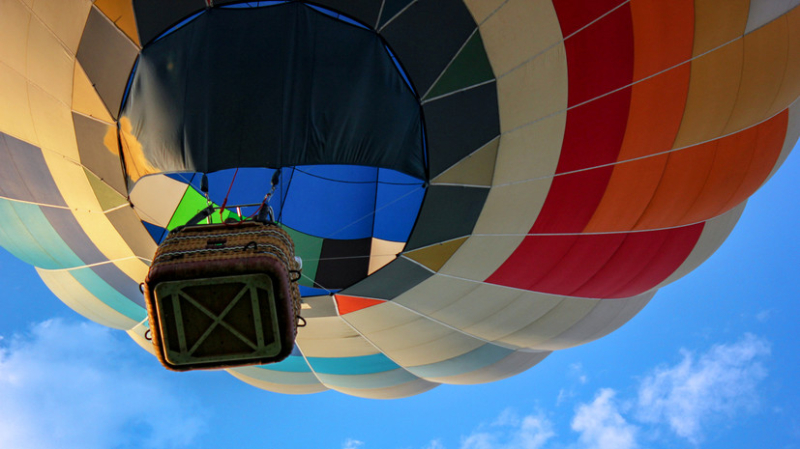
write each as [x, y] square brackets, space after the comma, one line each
[578, 156]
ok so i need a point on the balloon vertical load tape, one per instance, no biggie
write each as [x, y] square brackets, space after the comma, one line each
[223, 295]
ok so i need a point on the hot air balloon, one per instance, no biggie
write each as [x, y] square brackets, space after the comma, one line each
[471, 184]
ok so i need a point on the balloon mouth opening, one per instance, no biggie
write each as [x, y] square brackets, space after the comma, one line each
[346, 221]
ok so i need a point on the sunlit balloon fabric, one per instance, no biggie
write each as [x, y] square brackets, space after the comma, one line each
[580, 154]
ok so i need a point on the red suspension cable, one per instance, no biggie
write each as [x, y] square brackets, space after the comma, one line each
[225, 202]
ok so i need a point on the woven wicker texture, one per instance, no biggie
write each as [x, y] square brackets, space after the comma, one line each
[203, 251]
[229, 241]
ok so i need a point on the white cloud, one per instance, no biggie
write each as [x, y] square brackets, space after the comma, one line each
[509, 431]
[435, 444]
[579, 377]
[71, 385]
[564, 395]
[352, 443]
[576, 370]
[698, 390]
[601, 426]
[720, 382]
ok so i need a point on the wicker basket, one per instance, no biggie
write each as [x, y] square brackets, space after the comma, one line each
[223, 295]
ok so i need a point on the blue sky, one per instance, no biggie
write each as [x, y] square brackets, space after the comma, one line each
[711, 362]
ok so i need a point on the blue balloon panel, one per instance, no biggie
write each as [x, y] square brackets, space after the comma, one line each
[342, 202]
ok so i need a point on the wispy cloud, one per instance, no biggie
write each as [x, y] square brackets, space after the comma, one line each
[435, 444]
[576, 370]
[763, 316]
[579, 378]
[601, 426]
[509, 431]
[684, 398]
[565, 395]
[352, 443]
[71, 385]
[720, 382]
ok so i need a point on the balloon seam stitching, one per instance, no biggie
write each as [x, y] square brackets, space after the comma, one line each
[380, 30]
[611, 164]
[449, 63]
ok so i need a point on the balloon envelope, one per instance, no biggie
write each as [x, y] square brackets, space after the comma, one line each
[473, 185]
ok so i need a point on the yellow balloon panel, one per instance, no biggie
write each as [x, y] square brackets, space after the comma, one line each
[15, 115]
[15, 20]
[49, 62]
[64, 19]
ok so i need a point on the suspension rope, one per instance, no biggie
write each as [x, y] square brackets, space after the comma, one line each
[225, 202]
